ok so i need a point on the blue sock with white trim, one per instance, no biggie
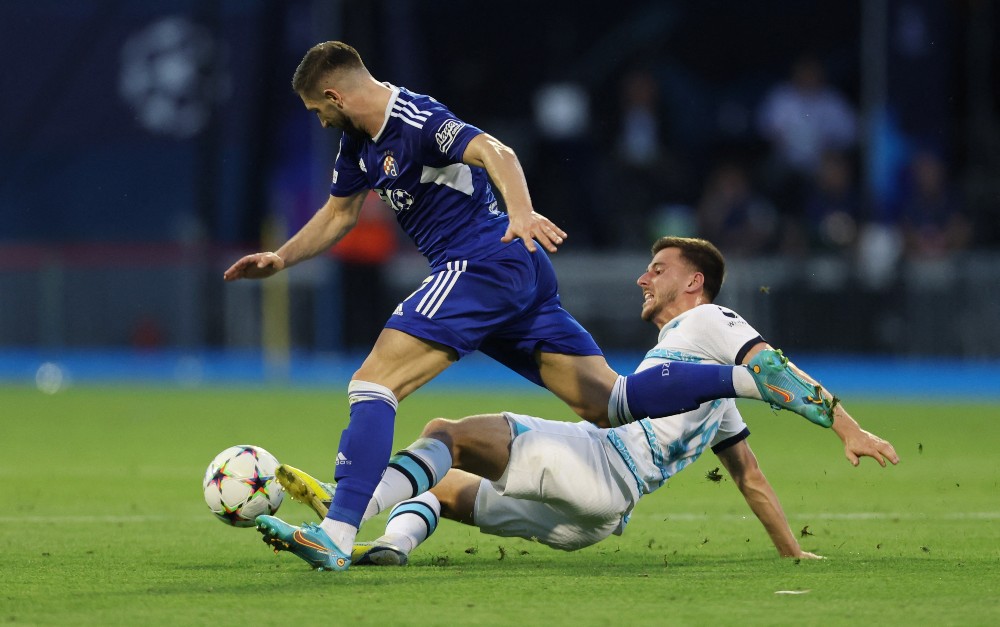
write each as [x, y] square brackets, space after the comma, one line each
[365, 446]
[412, 471]
[413, 521]
[671, 388]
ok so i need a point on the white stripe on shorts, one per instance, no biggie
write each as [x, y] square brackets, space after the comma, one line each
[442, 286]
[431, 290]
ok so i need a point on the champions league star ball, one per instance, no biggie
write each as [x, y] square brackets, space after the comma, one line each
[239, 485]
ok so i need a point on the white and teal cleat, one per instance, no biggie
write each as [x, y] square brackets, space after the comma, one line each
[308, 542]
[783, 388]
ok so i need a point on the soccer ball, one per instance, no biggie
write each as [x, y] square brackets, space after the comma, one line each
[239, 485]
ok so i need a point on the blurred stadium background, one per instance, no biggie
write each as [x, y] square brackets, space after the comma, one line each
[843, 155]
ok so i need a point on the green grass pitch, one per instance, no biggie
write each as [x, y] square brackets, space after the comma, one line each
[104, 523]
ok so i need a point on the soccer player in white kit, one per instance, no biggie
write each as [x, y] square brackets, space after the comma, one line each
[570, 485]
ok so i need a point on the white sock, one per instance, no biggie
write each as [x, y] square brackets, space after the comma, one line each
[412, 471]
[413, 521]
[341, 533]
[744, 384]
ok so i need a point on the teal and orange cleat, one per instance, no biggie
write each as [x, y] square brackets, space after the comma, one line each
[306, 489]
[308, 542]
[783, 388]
[378, 554]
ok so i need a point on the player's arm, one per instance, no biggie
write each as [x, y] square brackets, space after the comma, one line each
[332, 222]
[858, 443]
[741, 464]
[504, 169]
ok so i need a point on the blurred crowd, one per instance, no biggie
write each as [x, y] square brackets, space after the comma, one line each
[877, 147]
[793, 185]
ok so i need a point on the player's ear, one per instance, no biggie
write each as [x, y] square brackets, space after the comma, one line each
[696, 282]
[334, 96]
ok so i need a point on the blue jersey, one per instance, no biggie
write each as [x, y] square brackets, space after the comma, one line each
[415, 165]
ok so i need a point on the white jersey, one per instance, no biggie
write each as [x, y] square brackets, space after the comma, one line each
[570, 485]
[656, 449]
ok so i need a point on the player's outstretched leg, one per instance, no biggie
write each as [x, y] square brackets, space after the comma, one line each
[306, 489]
[308, 542]
[782, 388]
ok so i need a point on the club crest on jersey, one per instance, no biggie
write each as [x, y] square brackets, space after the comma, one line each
[390, 166]
[447, 133]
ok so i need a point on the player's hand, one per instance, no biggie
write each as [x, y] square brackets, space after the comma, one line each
[531, 227]
[861, 443]
[255, 266]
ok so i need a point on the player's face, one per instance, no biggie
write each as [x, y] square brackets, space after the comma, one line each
[665, 279]
[329, 114]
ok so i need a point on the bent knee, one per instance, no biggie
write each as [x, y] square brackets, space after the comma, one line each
[457, 495]
[439, 426]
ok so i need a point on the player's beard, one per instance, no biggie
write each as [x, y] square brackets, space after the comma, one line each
[658, 304]
[352, 130]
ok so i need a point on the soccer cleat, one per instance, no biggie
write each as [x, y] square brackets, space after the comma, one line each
[309, 542]
[305, 488]
[378, 554]
[782, 388]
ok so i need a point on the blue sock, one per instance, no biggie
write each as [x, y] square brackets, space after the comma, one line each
[671, 388]
[365, 447]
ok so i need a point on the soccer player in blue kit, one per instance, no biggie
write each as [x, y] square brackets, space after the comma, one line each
[491, 289]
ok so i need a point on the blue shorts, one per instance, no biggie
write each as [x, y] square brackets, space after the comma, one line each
[505, 306]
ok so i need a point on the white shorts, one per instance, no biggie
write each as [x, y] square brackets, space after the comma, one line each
[565, 486]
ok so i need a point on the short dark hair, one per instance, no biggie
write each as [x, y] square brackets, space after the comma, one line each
[322, 59]
[703, 256]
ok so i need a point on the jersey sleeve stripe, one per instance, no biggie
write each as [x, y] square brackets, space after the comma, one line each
[409, 109]
[742, 353]
[406, 120]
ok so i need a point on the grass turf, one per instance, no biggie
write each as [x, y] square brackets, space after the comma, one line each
[104, 523]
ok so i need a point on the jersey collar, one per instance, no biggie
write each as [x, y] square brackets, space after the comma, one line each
[388, 110]
[672, 325]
